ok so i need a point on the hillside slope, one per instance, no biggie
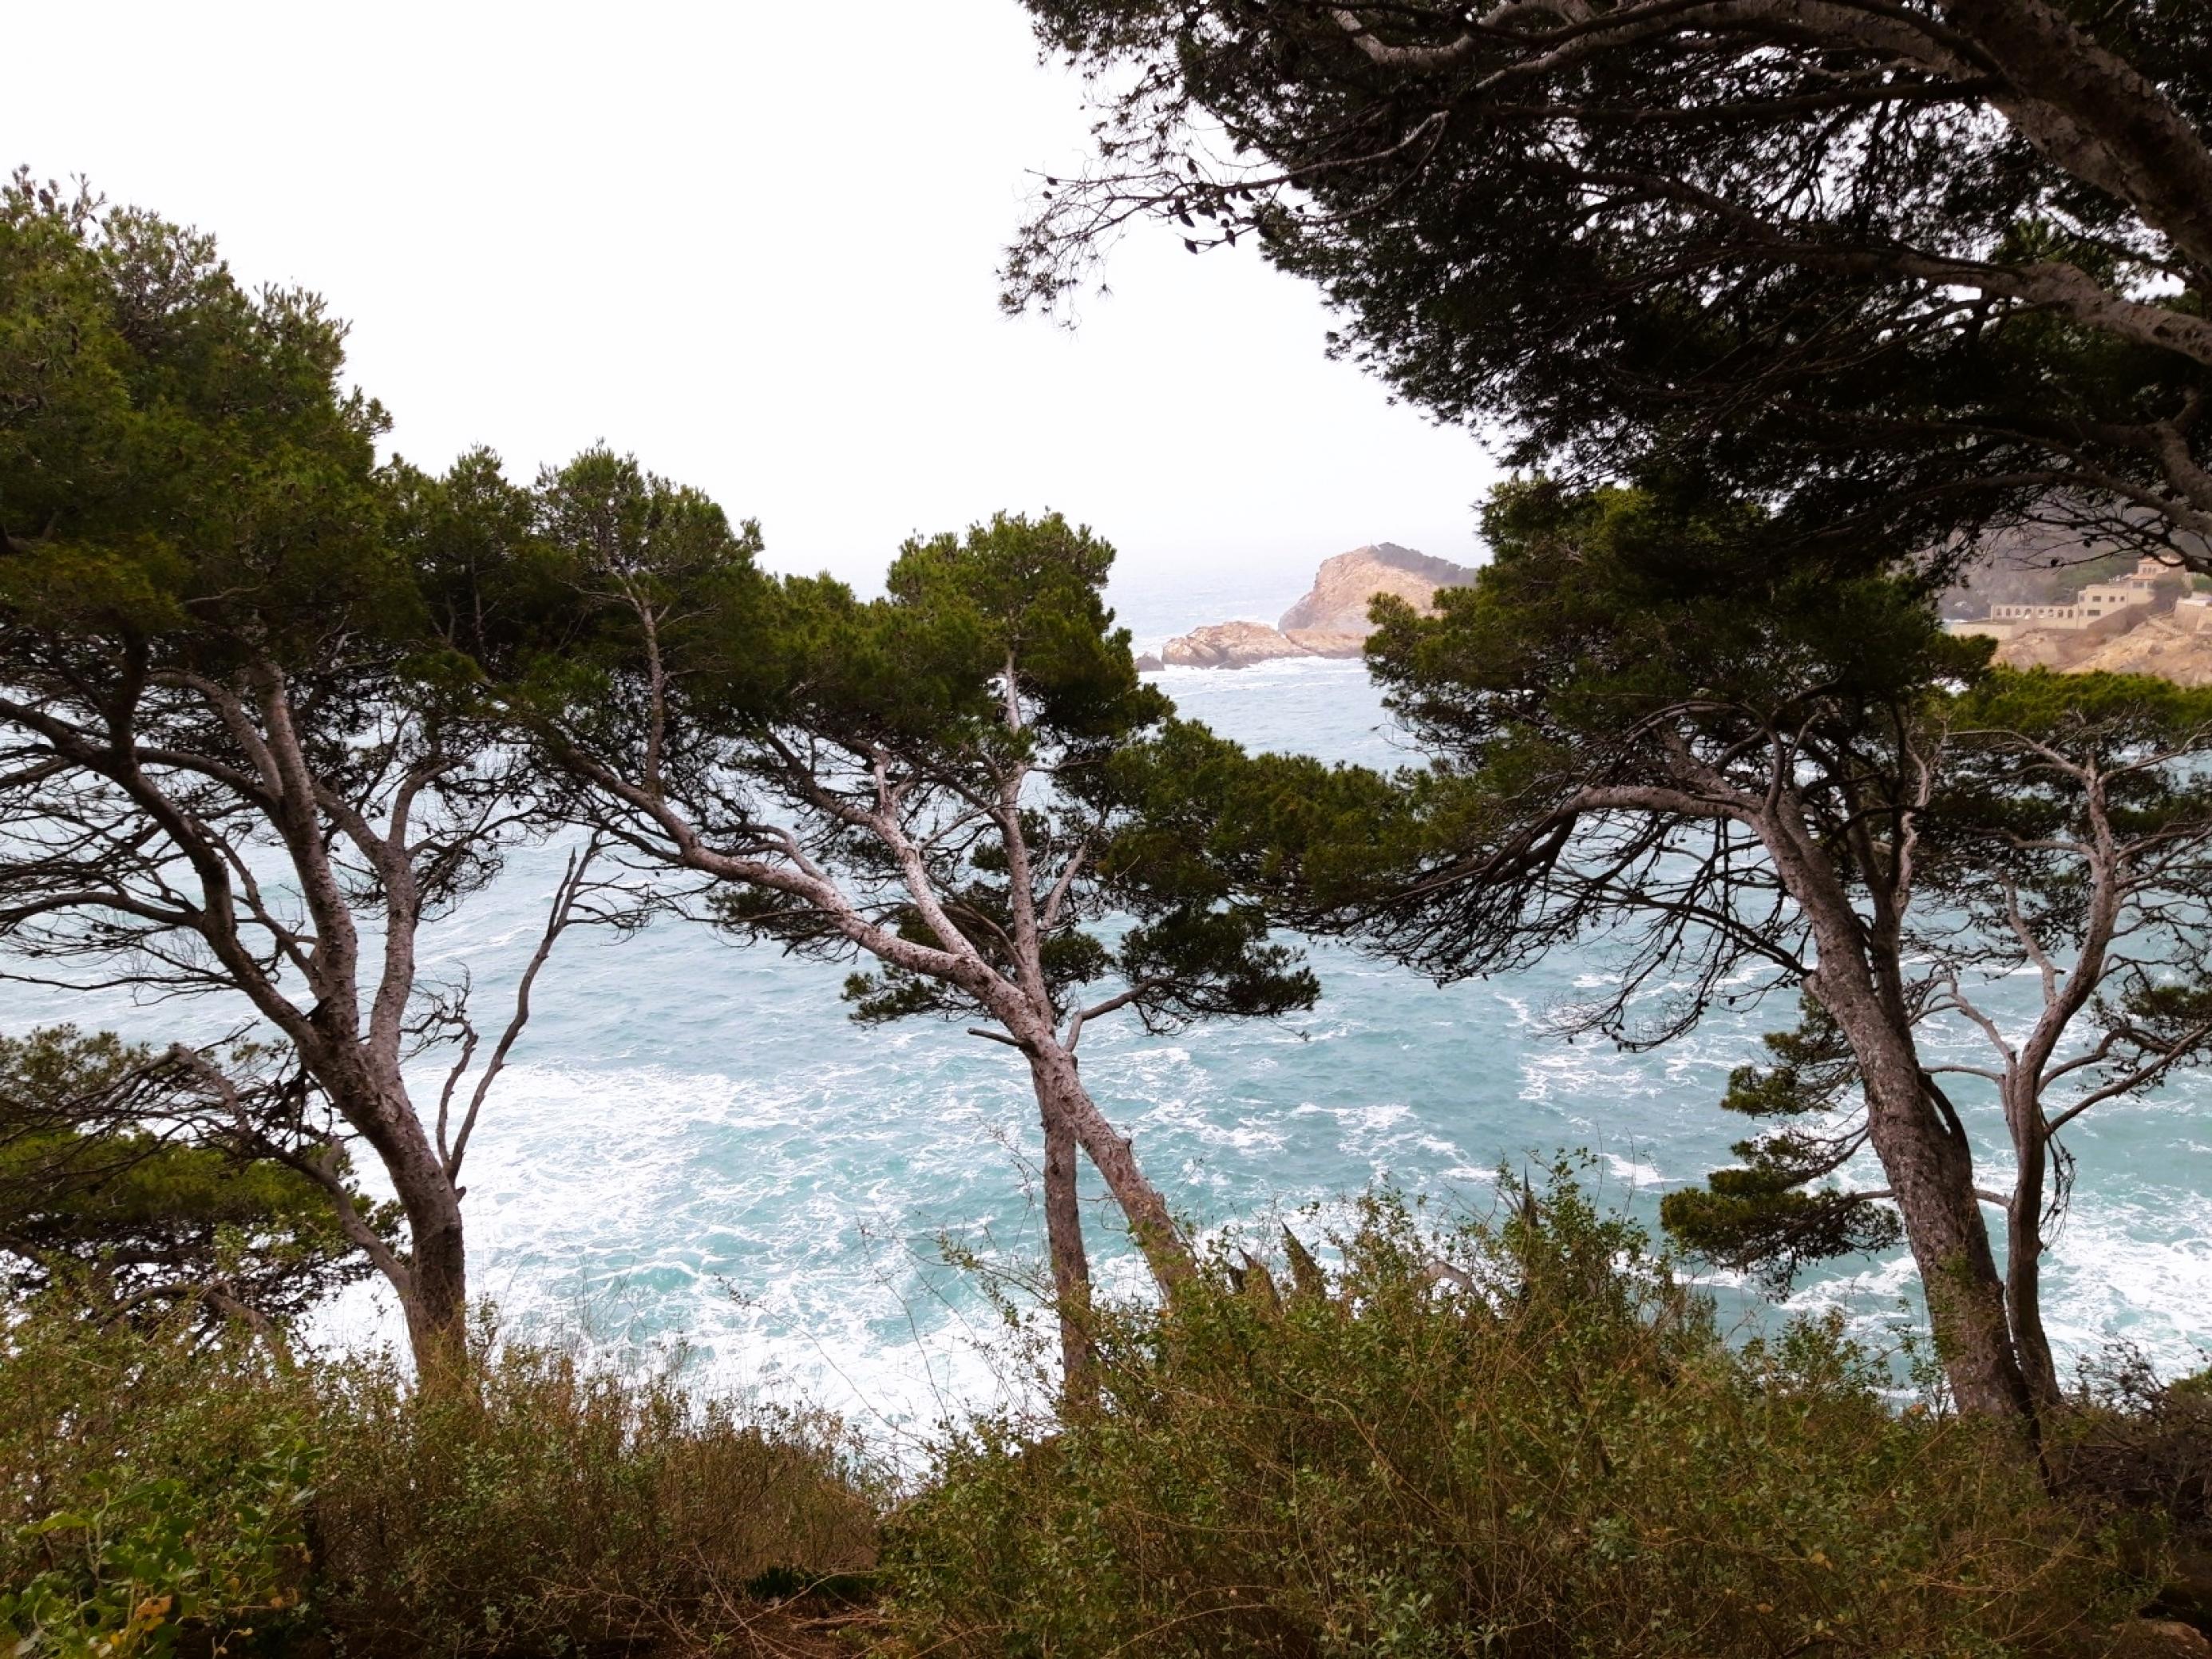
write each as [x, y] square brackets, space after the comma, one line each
[2163, 645]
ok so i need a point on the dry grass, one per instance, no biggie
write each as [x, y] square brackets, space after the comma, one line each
[549, 1504]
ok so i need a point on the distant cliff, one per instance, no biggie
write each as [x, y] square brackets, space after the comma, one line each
[2177, 646]
[1337, 602]
[1330, 620]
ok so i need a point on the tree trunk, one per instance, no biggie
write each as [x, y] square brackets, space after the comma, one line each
[437, 1307]
[2024, 1292]
[1071, 1267]
[2024, 1243]
[1920, 1144]
[1060, 1094]
[433, 1284]
[1931, 1179]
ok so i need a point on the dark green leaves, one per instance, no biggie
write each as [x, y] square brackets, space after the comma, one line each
[118, 1189]
[1868, 267]
[1779, 1211]
[1760, 1219]
[177, 456]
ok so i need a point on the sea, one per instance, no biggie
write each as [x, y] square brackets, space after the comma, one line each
[694, 1153]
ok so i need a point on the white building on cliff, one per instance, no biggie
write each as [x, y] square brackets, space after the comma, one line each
[2111, 607]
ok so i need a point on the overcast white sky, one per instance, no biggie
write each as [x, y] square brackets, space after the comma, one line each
[752, 244]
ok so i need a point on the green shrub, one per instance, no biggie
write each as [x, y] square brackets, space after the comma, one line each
[1547, 1450]
[153, 1484]
[1555, 1455]
[546, 1503]
[160, 1487]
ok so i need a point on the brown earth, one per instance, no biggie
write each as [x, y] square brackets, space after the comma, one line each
[2158, 644]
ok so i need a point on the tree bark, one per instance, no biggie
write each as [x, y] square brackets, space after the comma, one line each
[2096, 115]
[1071, 1266]
[1930, 1173]
[434, 1293]
[1060, 1094]
[2024, 1244]
[437, 1310]
[1921, 1144]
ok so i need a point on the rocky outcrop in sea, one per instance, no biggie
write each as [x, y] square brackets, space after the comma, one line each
[1330, 620]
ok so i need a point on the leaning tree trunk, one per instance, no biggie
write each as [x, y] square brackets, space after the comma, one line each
[1060, 1094]
[1071, 1266]
[432, 1283]
[1921, 1144]
[1923, 1153]
[1932, 1175]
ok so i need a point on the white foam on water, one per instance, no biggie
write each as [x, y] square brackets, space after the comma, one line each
[695, 1142]
[2133, 1271]
[1634, 1175]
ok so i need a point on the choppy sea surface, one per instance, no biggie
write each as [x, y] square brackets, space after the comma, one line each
[695, 1141]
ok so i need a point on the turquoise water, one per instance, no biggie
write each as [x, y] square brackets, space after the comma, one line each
[694, 1141]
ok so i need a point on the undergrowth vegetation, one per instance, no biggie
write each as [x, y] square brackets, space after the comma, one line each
[1521, 1437]
[165, 1489]
[543, 1505]
[156, 1482]
[1545, 1447]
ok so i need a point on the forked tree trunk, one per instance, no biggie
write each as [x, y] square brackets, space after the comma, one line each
[1061, 1095]
[1071, 1265]
[2024, 1244]
[1921, 1144]
[1931, 1180]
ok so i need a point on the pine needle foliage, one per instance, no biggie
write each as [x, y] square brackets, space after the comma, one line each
[123, 1196]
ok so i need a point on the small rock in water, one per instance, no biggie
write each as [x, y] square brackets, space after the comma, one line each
[1229, 645]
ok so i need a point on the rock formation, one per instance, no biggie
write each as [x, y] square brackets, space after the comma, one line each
[1337, 602]
[2175, 647]
[1322, 642]
[2078, 608]
[1229, 645]
[1331, 620]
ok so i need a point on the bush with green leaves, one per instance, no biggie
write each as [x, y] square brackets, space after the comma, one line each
[1522, 1437]
[162, 1491]
[158, 1486]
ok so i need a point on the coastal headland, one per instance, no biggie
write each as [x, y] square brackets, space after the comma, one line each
[1330, 621]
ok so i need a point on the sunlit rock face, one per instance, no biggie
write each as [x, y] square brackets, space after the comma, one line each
[1330, 620]
[2177, 647]
[1229, 645]
[1337, 602]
